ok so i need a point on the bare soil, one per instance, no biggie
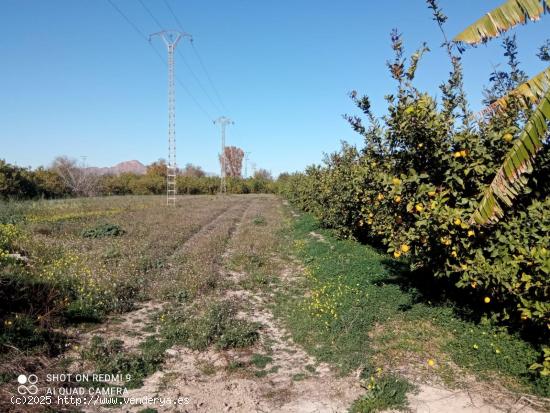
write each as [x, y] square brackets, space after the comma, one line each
[219, 245]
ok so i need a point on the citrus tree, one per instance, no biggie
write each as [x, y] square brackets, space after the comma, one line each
[509, 179]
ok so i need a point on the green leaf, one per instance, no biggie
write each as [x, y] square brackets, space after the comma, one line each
[508, 181]
[502, 19]
[528, 93]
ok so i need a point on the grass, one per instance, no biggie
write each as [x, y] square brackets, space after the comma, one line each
[92, 258]
[384, 392]
[260, 360]
[113, 358]
[216, 325]
[353, 310]
[299, 377]
[103, 230]
[207, 368]
[259, 220]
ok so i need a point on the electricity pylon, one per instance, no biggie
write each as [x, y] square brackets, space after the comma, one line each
[223, 121]
[171, 39]
[246, 154]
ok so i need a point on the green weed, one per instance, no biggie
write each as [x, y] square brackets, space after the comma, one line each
[103, 230]
[112, 357]
[216, 325]
[260, 361]
[259, 220]
[344, 310]
[383, 392]
[299, 377]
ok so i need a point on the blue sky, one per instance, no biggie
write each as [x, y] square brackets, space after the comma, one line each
[76, 79]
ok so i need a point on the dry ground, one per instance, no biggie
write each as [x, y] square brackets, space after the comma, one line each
[290, 379]
[214, 249]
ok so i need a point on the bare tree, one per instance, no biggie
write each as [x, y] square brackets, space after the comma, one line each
[158, 168]
[263, 174]
[233, 161]
[192, 170]
[75, 176]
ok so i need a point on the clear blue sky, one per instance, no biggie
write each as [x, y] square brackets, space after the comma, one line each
[76, 79]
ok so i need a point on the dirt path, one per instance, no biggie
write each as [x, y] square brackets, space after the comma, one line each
[273, 375]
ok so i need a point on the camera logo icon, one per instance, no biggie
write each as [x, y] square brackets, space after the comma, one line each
[27, 384]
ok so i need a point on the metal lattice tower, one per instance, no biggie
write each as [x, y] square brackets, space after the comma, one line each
[171, 39]
[246, 157]
[223, 121]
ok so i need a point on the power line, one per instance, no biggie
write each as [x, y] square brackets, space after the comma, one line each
[136, 29]
[173, 15]
[204, 111]
[144, 37]
[150, 14]
[207, 75]
[148, 10]
[216, 106]
[203, 66]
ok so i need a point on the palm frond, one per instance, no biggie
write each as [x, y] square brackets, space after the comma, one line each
[528, 93]
[503, 18]
[510, 179]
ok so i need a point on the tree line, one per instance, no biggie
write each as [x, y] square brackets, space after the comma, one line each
[67, 178]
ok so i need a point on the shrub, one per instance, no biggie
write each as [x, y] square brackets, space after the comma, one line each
[113, 358]
[24, 183]
[215, 325]
[16, 182]
[414, 185]
[103, 230]
[8, 234]
[384, 391]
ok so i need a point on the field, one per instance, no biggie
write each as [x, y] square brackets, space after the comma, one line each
[235, 303]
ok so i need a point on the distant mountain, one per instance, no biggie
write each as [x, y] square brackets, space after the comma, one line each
[135, 167]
